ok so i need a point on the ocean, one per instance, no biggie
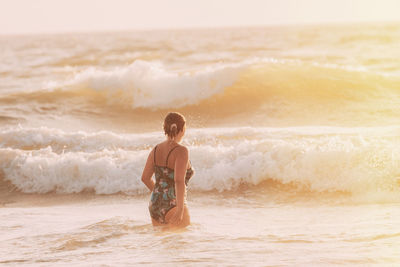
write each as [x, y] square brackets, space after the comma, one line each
[293, 131]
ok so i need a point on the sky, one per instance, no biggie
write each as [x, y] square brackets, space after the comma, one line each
[59, 16]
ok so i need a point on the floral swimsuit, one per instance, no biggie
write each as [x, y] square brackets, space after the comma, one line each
[163, 197]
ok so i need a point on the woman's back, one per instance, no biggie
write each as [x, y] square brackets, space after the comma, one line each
[164, 161]
[163, 154]
[170, 164]
[163, 196]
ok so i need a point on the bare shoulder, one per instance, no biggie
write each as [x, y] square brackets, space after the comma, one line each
[182, 151]
[151, 153]
[153, 150]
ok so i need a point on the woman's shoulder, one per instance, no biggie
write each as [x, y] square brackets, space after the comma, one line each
[177, 148]
[182, 149]
[159, 146]
[182, 152]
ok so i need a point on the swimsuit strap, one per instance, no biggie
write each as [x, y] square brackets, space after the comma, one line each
[154, 158]
[166, 161]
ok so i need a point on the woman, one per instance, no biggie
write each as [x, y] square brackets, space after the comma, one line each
[169, 161]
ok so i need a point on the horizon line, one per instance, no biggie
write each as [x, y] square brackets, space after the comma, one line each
[220, 27]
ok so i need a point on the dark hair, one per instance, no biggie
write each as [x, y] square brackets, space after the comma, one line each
[173, 124]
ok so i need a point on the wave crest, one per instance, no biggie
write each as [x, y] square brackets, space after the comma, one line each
[268, 91]
[316, 159]
[150, 85]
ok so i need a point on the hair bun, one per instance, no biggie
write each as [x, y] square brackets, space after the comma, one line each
[174, 123]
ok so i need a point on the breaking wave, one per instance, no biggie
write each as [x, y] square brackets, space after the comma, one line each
[359, 161]
[280, 89]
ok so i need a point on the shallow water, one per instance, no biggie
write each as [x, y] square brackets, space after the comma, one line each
[115, 231]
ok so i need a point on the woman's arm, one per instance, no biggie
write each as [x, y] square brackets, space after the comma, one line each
[148, 171]
[181, 163]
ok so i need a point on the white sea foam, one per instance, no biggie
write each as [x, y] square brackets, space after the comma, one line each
[358, 161]
[154, 85]
[26, 138]
[151, 85]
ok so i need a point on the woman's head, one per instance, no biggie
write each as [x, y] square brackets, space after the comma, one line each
[174, 125]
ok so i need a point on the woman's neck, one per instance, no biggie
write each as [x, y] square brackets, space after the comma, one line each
[172, 141]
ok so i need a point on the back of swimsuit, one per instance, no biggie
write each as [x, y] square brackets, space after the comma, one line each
[163, 196]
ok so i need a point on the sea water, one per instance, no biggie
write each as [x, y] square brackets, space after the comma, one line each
[293, 132]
